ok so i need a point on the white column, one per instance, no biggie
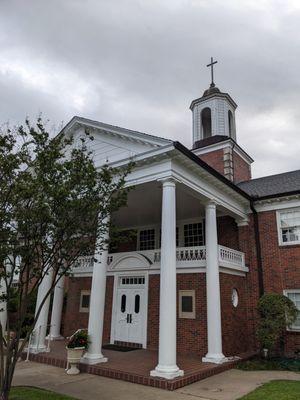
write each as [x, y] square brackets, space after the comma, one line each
[38, 343]
[3, 306]
[167, 366]
[96, 315]
[214, 329]
[58, 300]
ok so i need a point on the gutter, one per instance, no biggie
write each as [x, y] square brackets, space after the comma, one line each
[258, 250]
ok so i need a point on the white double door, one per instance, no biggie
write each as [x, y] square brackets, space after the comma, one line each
[130, 314]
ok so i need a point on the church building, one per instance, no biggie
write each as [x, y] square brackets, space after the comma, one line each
[205, 241]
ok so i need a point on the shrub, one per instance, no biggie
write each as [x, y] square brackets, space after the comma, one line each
[276, 313]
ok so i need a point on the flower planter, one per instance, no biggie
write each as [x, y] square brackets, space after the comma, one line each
[73, 357]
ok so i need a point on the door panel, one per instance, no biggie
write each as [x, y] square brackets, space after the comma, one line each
[121, 325]
[130, 315]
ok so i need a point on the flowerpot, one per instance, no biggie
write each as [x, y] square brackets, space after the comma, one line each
[73, 357]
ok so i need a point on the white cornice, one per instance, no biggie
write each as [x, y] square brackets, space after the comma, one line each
[140, 137]
[277, 203]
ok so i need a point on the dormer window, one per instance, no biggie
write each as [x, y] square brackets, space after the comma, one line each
[206, 122]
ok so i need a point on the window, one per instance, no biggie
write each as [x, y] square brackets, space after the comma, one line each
[193, 235]
[137, 303]
[123, 303]
[187, 304]
[132, 280]
[294, 295]
[289, 226]
[206, 122]
[147, 239]
[234, 297]
[84, 301]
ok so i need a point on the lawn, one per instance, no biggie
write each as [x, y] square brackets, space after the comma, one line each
[276, 390]
[29, 393]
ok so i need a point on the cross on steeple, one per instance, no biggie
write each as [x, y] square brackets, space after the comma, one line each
[211, 65]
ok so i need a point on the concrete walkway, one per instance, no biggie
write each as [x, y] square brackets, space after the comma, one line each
[229, 385]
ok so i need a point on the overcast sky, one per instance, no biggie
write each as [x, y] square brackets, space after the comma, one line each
[139, 63]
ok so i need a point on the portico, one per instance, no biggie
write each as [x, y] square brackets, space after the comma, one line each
[172, 210]
[170, 205]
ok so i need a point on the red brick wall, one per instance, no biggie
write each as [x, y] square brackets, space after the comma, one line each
[228, 232]
[235, 334]
[73, 319]
[214, 159]
[192, 333]
[241, 169]
[281, 266]
[248, 246]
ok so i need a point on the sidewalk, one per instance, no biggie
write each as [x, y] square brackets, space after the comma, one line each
[229, 385]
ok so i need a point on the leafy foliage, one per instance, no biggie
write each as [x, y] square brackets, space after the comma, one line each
[54, 207]
[275, 364]
[276, 313]
[78, 339]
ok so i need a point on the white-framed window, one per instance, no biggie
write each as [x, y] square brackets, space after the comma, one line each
[193, 234]
[85, 296]
[147, 239]
[234, 297]
[294, 295]
[187, 306]
[288, 223]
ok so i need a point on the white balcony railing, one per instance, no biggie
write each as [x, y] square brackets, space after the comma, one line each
[186, 257]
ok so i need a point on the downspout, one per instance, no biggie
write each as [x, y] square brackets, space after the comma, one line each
[258, 250]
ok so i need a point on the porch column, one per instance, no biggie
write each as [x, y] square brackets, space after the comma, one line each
[58, 300]
[167, 367]
[97, 302]
[38, 344]
[3, 306]
[214, 329]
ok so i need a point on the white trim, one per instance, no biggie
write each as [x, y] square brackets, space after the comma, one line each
[278, 203]
[292, 328]
[117, 276]
[117, 131]
[280, 241]
[84, 293]
[186, 314]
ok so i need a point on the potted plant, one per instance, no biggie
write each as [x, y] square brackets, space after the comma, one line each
[76, 346]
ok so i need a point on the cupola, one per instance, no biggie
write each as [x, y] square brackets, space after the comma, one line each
[214, 133]
[213, 113]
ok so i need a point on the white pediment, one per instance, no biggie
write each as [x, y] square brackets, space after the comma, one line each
[110, 143]
[128, 261]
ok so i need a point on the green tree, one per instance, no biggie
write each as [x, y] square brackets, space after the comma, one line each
[276, 313]
[54, 205]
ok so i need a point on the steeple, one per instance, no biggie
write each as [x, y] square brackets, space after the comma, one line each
[214, 133]
[213, 113]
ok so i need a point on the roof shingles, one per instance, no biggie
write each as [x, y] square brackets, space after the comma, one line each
[274, 185]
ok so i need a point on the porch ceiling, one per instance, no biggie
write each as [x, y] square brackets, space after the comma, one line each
[144, 206]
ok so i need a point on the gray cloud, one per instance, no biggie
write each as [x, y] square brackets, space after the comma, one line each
[138, 64]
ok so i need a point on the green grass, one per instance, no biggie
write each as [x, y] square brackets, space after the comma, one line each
[276, 390]
[279, 364]
[30, 393]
